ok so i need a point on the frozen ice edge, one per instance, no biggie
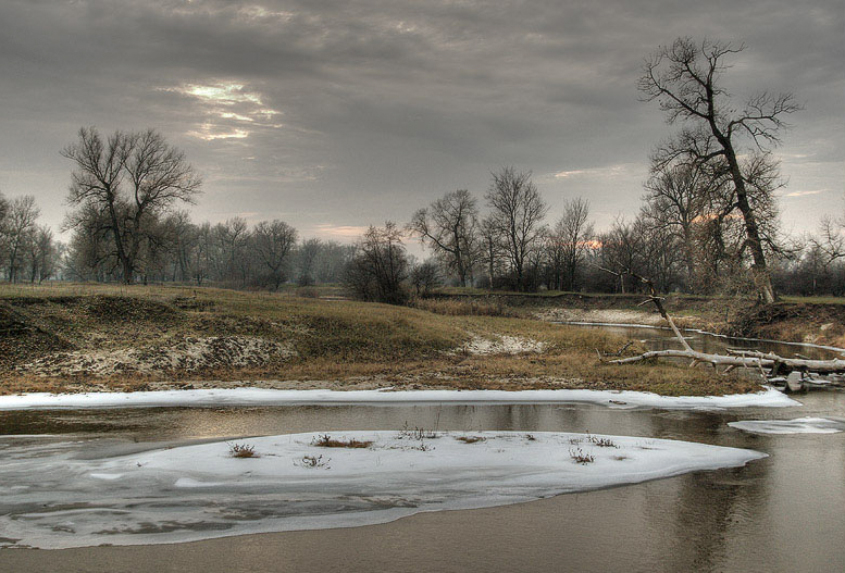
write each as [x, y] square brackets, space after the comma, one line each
[769, 398]
[129, 499]
[786, 427]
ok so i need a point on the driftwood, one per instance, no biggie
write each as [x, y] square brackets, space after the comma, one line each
[751, 359]
[735, 358]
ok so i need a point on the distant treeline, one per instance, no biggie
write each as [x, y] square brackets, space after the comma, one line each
[127, 226]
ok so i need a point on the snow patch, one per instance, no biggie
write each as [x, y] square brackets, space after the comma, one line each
[482, 346]
[188, 355]
[200, 491]
[796, 426]
[268, 397]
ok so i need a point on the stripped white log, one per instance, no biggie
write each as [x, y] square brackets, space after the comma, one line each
[752, 359]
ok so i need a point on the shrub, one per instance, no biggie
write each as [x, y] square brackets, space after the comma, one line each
[326, 441]
[578, 455]
[242, 451]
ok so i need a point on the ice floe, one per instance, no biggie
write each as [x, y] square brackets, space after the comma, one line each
[796, 426]
[201, 491]
[269, 397]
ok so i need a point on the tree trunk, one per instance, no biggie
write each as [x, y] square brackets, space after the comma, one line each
[759, 269]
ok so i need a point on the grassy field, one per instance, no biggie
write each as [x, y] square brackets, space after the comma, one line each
[67, 337]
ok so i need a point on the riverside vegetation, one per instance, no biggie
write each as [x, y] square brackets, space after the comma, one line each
[72, 338]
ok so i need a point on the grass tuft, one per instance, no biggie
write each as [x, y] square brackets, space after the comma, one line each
[326, 441]
[602, 442]
[312, 462]
[243, 451]
[580, 457]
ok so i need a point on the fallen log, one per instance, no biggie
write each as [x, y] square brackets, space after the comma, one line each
[735, 357]
[749, 359]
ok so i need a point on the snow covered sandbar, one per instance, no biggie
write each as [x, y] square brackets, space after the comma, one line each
[292, 483]
[270, 397]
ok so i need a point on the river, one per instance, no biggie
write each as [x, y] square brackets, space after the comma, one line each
[785, 513]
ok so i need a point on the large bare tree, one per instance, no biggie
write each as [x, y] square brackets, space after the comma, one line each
[450, 228]
[516, 218]
[685, 79]
[131, 179]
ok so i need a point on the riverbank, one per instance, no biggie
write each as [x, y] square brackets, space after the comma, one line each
[95, 338]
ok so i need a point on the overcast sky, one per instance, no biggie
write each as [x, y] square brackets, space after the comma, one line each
[335, 114]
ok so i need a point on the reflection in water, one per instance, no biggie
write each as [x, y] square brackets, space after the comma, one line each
[784, 513]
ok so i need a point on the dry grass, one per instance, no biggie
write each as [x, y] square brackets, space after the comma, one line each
[312, 462]
[243, 451]
[326, 441]
[580, 457]
[602, 442]
[344, 344]
[470, 439]
[468, 307]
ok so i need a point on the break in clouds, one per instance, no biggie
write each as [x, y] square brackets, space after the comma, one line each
[336, 115]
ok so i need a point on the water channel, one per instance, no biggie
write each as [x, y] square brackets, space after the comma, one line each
[785, 513]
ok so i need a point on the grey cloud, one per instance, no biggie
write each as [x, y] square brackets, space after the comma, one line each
[385, 105]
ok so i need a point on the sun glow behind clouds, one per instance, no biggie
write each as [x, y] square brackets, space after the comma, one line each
[210, 132]
[341, 232]
[224, 94]
[227, 106]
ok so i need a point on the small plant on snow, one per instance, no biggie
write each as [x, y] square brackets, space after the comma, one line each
[312, 462]
[416, 433]
[243, 451]
[602, 442]
[326, 441]
[578, 455]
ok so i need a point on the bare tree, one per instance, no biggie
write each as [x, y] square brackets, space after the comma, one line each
[4, 210]
[132, 178]
[425, 277]
[43, 255]
[20, 231]
[621, 252]
[273, 243]
[232, 260]
[685, 79]
[678, 199]
[567, 243]
[450, 228]
[380, 267]
[516, 220]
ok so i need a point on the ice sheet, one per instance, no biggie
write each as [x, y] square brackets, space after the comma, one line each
[201, 491]
[796, 426]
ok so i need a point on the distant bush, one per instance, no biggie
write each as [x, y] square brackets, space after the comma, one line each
[379, 270]
[307, 292]
[469, 307]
